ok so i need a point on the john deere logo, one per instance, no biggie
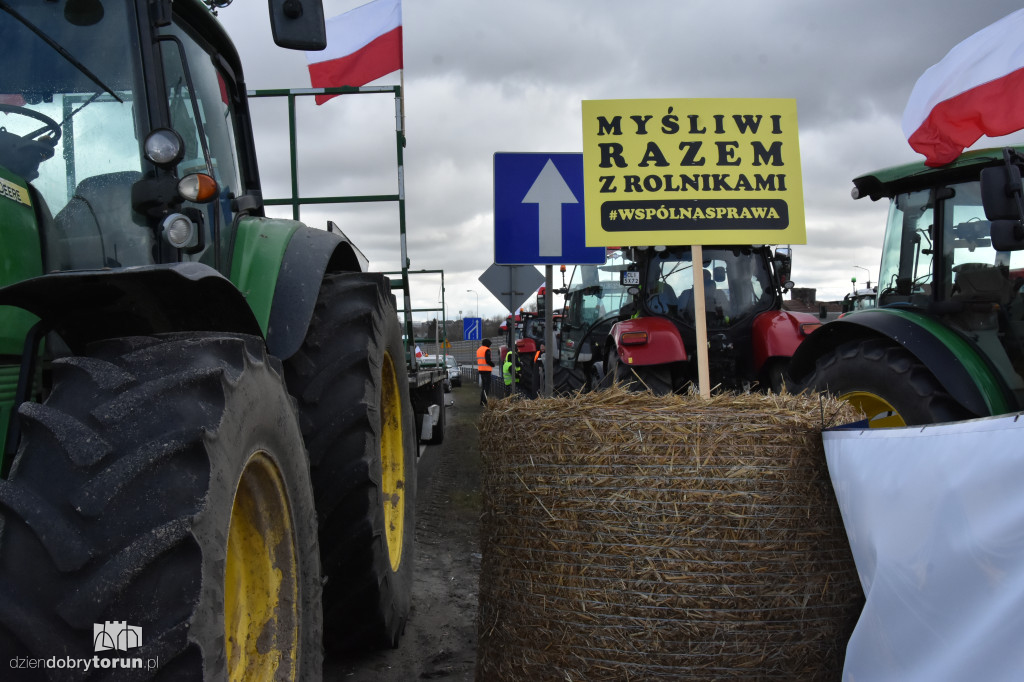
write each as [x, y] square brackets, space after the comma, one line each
[14, 192]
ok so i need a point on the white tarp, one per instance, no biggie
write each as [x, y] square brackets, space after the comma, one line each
[935, 518]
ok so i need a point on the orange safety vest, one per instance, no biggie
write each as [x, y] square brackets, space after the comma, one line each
[481, 362]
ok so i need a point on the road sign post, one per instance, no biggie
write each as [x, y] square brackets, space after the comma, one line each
[538, 211]
[472, 328]
[511, 284]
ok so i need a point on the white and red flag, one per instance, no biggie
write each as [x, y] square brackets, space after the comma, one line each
[363, 44]
[976, 89]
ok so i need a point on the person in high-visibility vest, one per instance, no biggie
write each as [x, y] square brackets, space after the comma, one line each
[484, 365]
[506, 372]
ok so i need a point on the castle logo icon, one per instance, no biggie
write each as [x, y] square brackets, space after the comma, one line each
[116, 635]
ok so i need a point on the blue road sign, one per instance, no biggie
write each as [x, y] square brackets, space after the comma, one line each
[538, 211]
[472, 328]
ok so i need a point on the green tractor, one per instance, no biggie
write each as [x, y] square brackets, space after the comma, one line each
[208, 432]
[945, 339]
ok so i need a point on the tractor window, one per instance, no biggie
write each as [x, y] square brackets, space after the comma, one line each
[595, 292]
[68, 125]
[969, 268]
[907, 250]
[594, 301]
[736, 284]
[973, 269]
[200, 112]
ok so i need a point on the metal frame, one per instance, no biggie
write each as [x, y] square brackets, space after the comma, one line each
[296, 200]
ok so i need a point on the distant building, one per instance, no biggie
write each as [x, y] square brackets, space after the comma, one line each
[804, 300]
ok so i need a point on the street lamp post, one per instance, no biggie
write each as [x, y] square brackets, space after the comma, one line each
[867, 271]
[471, 291]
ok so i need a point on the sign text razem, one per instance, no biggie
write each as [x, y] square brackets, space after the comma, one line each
[692, 171]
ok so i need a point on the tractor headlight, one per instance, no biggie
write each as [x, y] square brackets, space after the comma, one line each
[164, 147]
[179, 231]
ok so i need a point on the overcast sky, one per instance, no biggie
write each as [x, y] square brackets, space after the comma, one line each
[483, 77]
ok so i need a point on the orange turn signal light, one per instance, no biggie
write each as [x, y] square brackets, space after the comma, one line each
[633, 338]
[197, 187]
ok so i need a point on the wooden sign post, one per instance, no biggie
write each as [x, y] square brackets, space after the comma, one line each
[699, 312]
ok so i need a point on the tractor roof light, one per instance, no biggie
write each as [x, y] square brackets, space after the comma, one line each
[164, 147]
[179, 231]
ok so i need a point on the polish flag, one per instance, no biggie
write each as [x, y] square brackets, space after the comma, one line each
[362, 45]
[976, 89]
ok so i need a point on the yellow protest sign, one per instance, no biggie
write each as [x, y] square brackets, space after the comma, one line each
[692, 171]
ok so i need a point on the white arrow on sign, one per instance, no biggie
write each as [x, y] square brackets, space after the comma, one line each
[549, 191]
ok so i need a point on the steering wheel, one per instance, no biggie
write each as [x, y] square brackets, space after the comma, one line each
[22, 154]
[49, 123]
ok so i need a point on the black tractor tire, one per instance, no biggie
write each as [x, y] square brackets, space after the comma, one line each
[569, 380]
[774, 375]
[351, 383]
[529, 377]
[654, 378]
[873, 372]
[162, 485]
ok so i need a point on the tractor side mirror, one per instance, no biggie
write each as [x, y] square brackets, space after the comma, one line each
[1000, 192]
[1007, 235]
[298, 24]
[783, 264]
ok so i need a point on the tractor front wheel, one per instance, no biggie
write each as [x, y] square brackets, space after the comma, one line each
[888, 383]
[160, 508]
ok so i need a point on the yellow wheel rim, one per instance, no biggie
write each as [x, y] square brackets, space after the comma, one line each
[392, 460]
[261, 594]
[878, 410]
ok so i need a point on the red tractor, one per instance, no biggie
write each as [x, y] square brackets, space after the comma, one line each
[750, 337]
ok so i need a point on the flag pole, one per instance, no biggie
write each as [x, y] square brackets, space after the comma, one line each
[401, 102]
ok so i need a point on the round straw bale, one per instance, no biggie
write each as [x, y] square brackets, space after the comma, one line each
[627, 536]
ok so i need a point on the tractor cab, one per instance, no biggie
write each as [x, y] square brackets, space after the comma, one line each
[741, 285]
[738, 284]
[944, 258]
[945, 340]
[123, 142]
[594, 300]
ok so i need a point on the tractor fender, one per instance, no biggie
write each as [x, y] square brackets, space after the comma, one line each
[955, 361]
[92, 305]
[310, 254]
[778, 333]
[663, 342]
[526, 346]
